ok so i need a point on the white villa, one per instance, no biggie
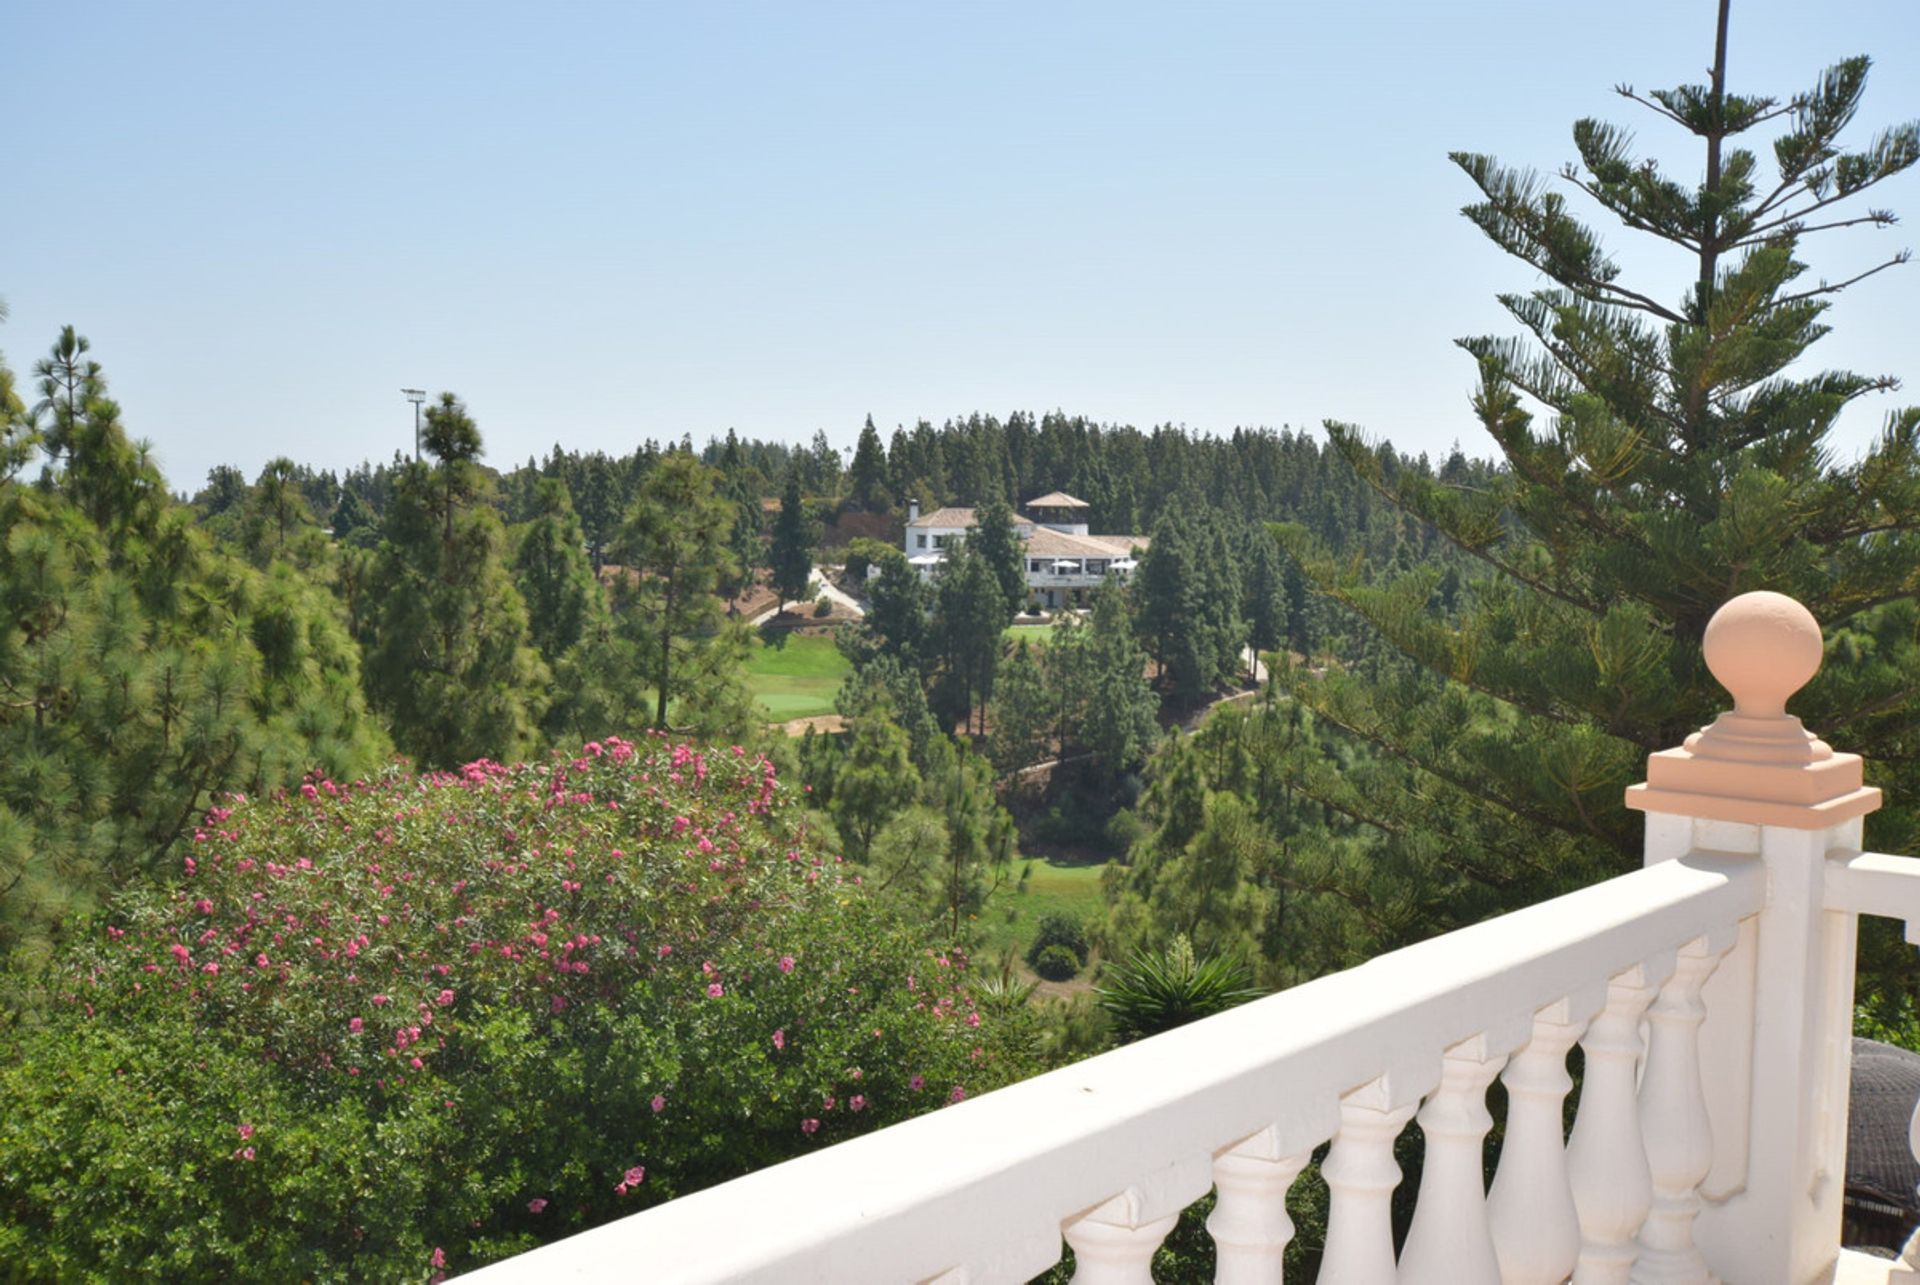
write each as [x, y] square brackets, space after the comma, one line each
[1064, 563]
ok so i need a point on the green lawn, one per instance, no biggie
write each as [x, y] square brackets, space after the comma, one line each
[1012, 916]
[798, 679]
[1036, 635]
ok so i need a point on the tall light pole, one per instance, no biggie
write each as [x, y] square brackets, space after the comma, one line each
[416, 396]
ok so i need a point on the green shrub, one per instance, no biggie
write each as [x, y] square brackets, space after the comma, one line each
[822, 606]
[1056, 929]
[1056, 963]
[375, 1030]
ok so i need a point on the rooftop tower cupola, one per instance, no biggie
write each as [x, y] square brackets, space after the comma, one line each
[1058, 511]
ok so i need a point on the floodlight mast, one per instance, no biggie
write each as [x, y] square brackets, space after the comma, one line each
[416, 396]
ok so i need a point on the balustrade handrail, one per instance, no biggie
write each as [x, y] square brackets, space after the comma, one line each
[981, 1190]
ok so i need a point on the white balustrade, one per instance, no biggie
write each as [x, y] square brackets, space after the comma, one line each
[1753, 836]
[1606, 1156]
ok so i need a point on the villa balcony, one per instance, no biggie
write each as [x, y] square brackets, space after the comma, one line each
[1711, 993]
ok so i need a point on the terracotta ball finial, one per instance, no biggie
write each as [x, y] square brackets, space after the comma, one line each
[1762, 647]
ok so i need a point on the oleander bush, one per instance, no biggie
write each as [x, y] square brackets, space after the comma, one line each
[422, 1022]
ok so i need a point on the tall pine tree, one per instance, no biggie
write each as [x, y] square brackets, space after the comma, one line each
[1682, 461]
[451, 663]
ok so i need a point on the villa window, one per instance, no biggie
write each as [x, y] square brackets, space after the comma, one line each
[920, 541]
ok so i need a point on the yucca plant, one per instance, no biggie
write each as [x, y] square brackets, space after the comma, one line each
[1157, 990]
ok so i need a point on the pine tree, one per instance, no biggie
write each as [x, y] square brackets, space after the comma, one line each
[143, 671]
[551, 570]
[1023, 712]
[877, 778]
[997, 544]
[277, 516]
[1118, 726]
[450, 662]
[868, 475]
[68, 381]
[1682, 464]
[1266, 595]
[1163, 587]
[354, 524]
[970, 622]
[790, 557]
[898, 601]
[675, 544]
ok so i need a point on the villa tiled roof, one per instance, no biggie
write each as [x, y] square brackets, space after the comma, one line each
[945, 518]
[1046, 543]
[1057, 500]
[962, 518]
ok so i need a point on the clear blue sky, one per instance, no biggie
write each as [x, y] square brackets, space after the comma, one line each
[601, 224]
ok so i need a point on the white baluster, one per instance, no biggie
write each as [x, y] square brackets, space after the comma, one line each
[1536, 1231]
[1673, 1120]
[1107, 1250]
[1606, 1157]
[1449, 1242]
[1361, 1175]
[1113, 1243]
[1249, 1222]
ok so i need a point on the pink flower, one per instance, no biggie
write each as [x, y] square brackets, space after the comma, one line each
[244, 1153]
[535, 1205]
[210, 968]
[444, 998]
[246, 1131]
[857, 1102]
[715, 990]
[780, 1038]
[659, 1103]
[635, 1174]
[973, 1019]
[957, 1094]
[439, 1258]
[204, 906]
[917, 1083]
[260, 960]
[826, 1103]
[381, 999]
[416, 1064]
[786, 963]
[559, 1002]
[355, 1025]
[809, 1125]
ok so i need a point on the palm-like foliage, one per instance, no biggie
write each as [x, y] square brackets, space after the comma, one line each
[1157, 990]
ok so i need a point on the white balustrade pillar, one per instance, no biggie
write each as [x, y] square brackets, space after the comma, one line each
[1536, 1230]
[1450, 1242]
[1673, 1121]
[1756, 781]
[1109, 1252]
[1361, 1174]
[1114, 1243]
[1606, 1156]
[1249, 1222]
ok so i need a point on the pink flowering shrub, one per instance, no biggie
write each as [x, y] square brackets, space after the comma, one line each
[378, 1029]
